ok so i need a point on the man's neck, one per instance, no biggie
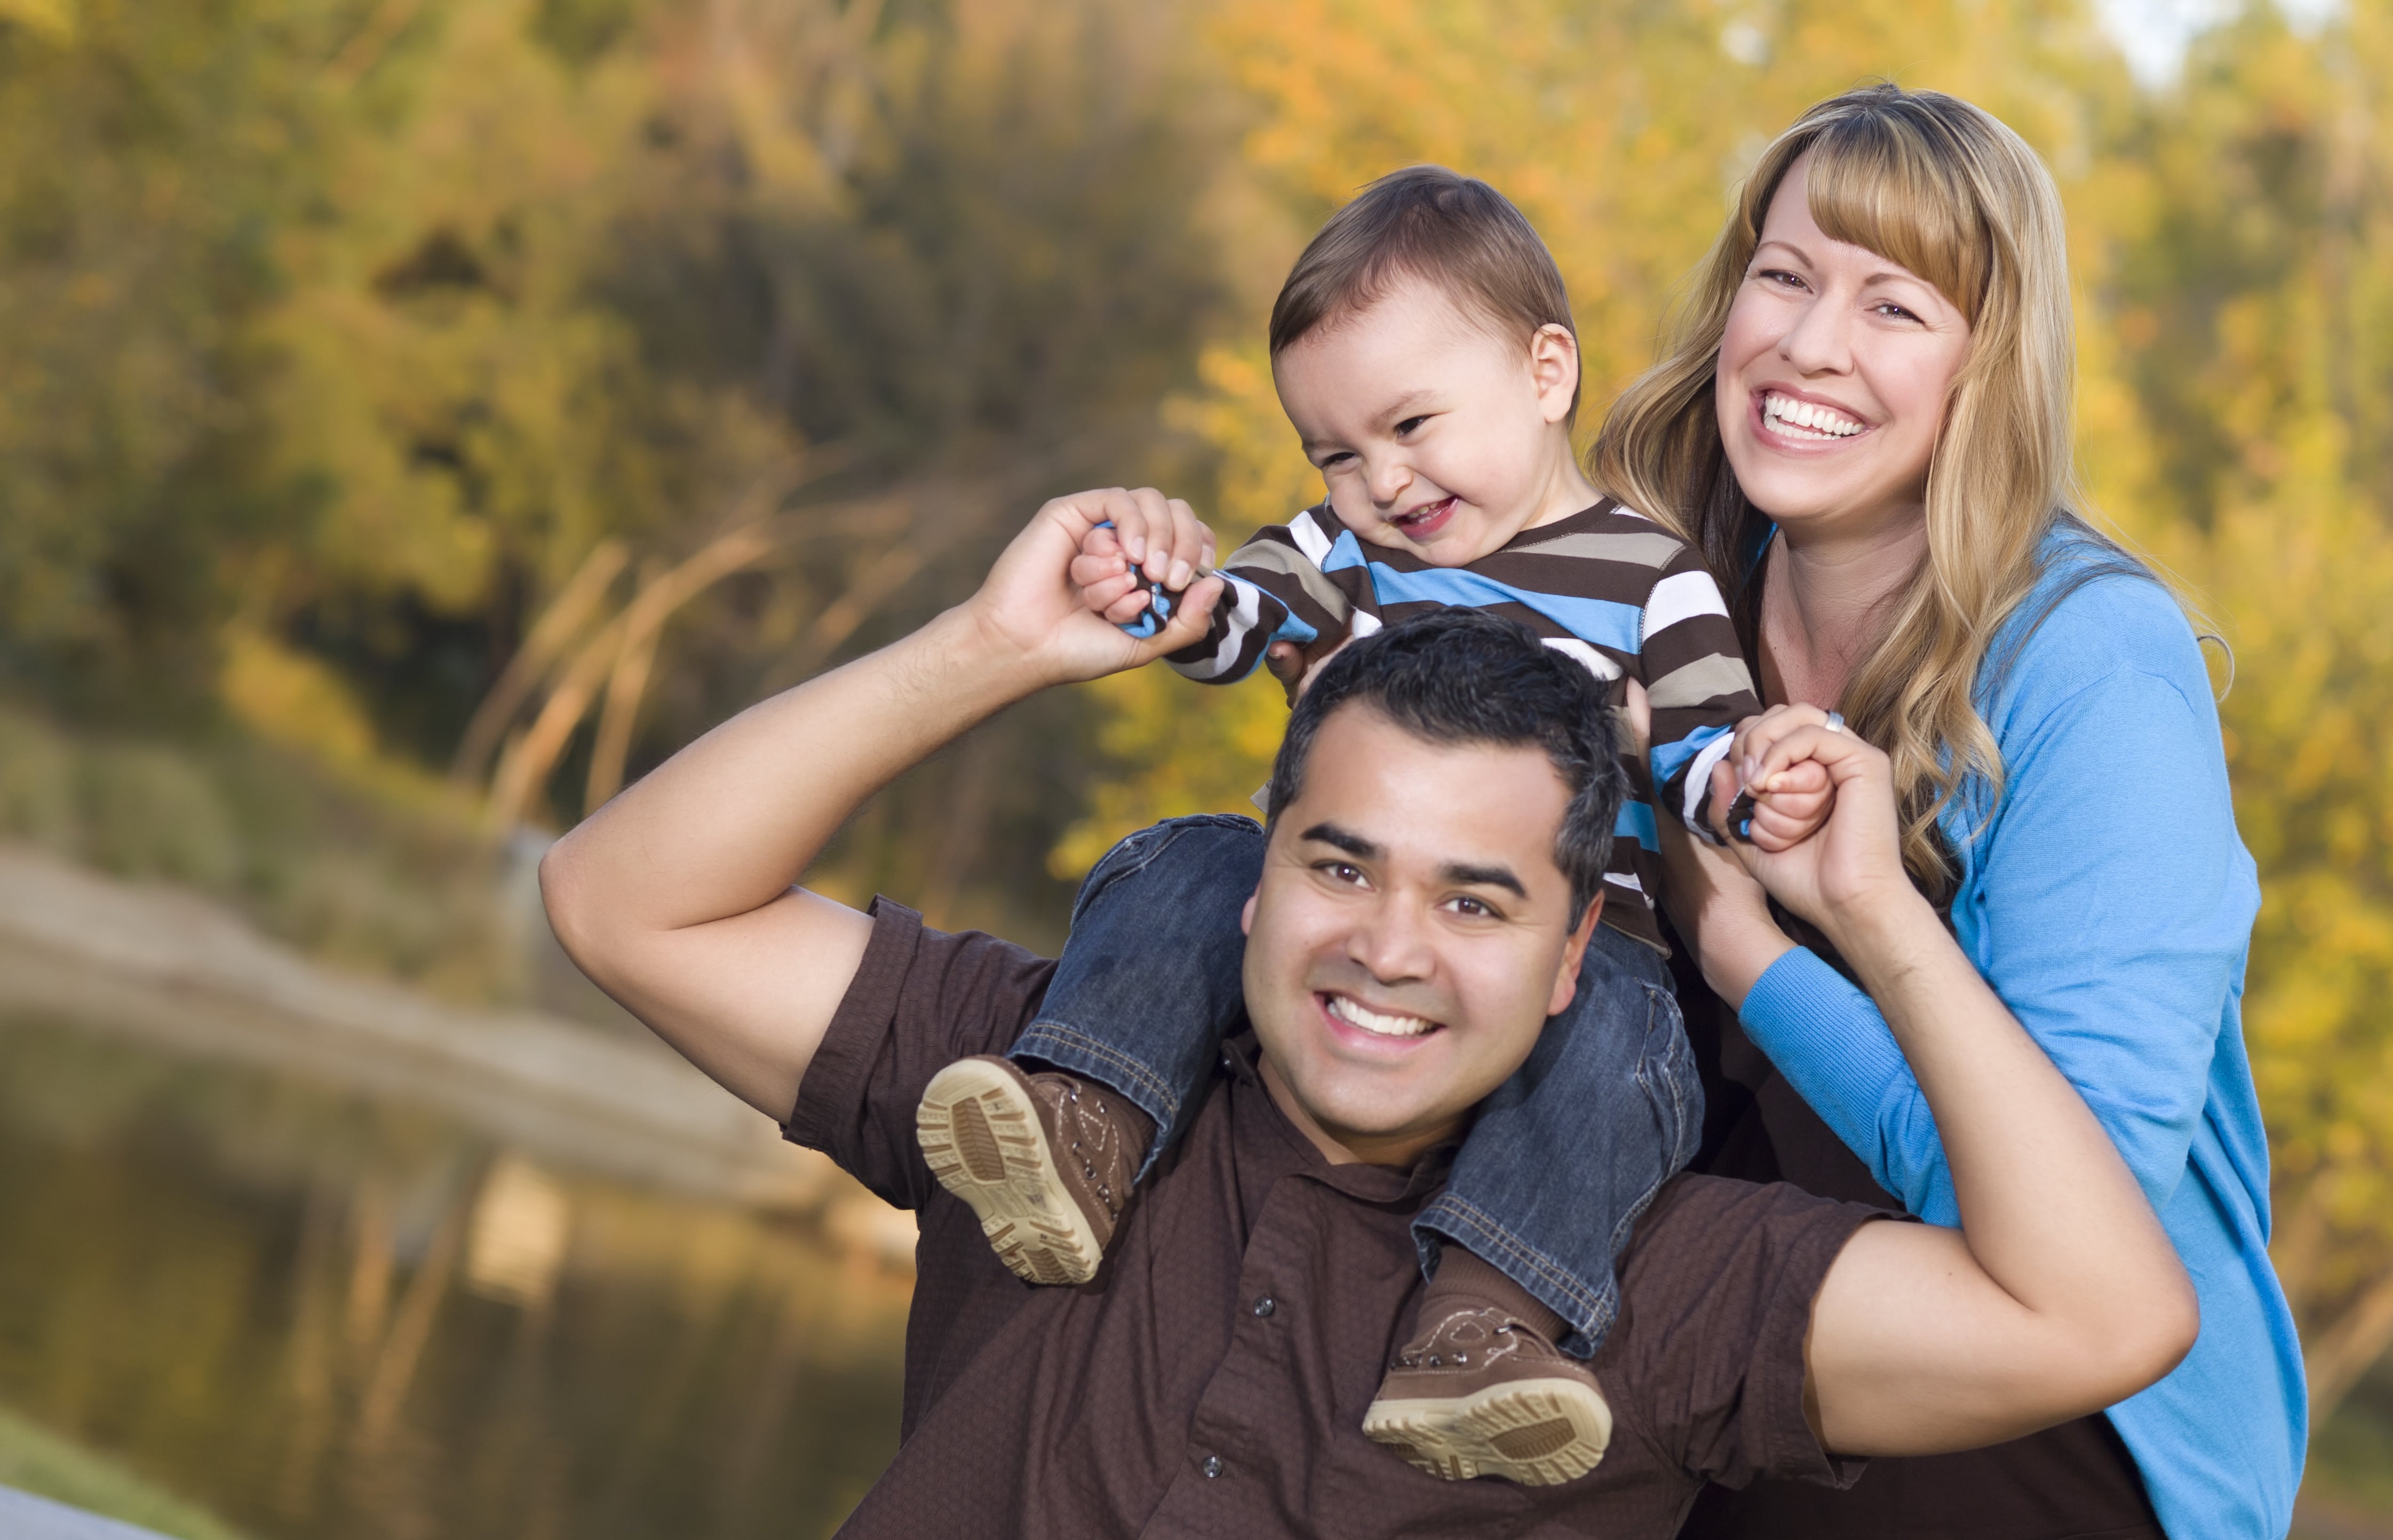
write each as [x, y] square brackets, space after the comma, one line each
[1399, 1150]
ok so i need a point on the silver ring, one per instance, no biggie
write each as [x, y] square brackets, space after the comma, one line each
[1836, 723]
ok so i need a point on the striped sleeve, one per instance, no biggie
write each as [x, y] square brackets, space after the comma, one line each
[1695, 679]
[1276, 592]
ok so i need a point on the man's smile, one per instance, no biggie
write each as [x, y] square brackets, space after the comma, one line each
[1350, 1018]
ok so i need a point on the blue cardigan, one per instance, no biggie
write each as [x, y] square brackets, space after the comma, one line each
[2108, 901]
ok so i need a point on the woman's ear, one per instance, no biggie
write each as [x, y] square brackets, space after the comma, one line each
[1553, 364]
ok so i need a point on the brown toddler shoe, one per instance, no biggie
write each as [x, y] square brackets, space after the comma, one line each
[1046, 1160]
[1482, 1390]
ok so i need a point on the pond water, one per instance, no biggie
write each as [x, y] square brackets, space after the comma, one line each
[324, 1315]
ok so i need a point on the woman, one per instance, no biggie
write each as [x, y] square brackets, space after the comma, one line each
[1865, 422]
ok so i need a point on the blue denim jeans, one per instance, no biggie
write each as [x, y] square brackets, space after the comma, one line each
[1151, 977]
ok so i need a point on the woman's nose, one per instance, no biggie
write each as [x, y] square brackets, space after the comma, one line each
[1820, 342]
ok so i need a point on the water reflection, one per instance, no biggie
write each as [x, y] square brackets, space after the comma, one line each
[324, 1315]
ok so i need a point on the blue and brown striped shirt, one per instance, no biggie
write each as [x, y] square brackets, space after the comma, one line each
[1611, 588]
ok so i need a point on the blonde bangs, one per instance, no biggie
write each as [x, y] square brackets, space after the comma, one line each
[1879, 184]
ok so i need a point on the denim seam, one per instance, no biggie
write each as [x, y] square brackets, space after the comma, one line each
[1495, 1244]
[1130, 1068]
[1138, 850]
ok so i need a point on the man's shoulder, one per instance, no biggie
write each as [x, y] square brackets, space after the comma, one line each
[1707, 1356]
[1703, 1231]
[920, 999]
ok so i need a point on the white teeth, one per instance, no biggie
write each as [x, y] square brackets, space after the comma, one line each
[1803, 420]
[1376, 1022]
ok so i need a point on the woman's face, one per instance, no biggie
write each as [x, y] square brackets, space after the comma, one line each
[1832, 376]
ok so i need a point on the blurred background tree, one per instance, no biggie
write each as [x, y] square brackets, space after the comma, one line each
[421, 416]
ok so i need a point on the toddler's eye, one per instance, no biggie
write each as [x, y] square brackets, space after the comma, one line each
[1330, 461]
[1409, 424]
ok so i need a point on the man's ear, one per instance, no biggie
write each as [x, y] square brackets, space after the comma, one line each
[1553, 364]
[1247, 915]
[1573, 951]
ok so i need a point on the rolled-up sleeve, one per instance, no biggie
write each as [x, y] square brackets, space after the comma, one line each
[920, 999]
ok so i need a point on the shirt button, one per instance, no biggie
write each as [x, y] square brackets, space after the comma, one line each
[1265, 1305]
[1213, 1467]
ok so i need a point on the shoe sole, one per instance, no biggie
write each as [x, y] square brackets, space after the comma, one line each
[1538, 1433]
[981, 1136]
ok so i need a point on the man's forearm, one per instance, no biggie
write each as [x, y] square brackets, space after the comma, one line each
[730, 822]
[676, 896]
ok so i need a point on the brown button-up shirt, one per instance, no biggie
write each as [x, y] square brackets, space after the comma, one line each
[1211, 1380]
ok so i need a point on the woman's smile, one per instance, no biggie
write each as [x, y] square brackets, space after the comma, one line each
[1804, 420]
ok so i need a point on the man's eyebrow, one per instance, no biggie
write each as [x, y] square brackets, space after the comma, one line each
[1462, 874]
[1352, 843]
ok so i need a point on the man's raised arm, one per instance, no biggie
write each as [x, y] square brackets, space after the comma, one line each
[678, 897]
[2060, 1294]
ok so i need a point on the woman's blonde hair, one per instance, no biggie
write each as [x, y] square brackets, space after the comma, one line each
[1946, 190]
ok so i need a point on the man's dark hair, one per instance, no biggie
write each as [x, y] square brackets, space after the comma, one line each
[1435, 225]
[1464, 676]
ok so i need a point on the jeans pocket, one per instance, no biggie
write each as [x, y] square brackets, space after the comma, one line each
[1667, 1070]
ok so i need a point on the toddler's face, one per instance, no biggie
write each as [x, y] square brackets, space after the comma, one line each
[1434, 435]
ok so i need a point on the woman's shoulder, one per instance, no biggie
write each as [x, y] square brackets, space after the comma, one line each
[2096, 613]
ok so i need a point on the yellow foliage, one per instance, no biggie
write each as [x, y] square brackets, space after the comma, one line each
[52, 19]
[297, 702]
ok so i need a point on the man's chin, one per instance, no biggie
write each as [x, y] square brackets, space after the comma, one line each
[1368, 1104]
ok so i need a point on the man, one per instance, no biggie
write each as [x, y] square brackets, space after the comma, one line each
[1412, 924]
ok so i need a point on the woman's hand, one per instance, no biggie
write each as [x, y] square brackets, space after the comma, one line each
[1849, 877]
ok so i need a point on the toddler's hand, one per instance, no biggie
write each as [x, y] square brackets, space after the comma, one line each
[1294, 666]
[1152, 540]
[1790, 805]
[1790, 798]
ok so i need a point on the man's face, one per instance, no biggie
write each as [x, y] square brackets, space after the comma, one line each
[1410, 934]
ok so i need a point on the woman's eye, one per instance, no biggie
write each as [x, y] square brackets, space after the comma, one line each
[1888, 307]
[1781, 278]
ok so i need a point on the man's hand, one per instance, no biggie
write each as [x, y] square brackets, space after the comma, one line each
[1058, 602]
[1154, 539]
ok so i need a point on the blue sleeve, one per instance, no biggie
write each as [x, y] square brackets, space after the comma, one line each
[2113, 904]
